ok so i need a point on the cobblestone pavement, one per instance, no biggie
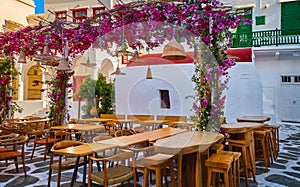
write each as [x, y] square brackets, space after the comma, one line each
[285, 171]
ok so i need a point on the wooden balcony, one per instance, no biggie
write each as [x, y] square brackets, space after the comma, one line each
[266, 38]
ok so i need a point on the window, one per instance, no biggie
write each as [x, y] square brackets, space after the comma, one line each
[286, 79]
[79, 15]
[260, 20]
[297, 79]
[61, 15]
[164, 99]
[290, 17]
[96, 13]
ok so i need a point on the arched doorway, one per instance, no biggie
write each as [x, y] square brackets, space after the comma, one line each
[34, 87]
[106, 69]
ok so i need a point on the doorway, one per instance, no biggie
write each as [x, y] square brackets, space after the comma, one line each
[290, 98]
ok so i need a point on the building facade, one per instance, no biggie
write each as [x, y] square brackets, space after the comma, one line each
[275, 43]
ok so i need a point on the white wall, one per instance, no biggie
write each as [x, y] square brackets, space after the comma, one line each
[137, 95]
[269, 8]
[270, 67]
[244, 94]
[16, 11]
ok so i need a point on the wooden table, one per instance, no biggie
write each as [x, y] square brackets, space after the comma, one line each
[83, 151]
[80, 127]
[245, 129]
[255, 119]
[152, 136]
[90, 148]
[188, 146]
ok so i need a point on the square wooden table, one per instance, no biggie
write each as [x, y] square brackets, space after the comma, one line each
[188, 147]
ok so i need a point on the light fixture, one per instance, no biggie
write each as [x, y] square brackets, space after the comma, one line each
[88, 63]
[173, 51]
[63, 65]
[22, 58]
[149, 73]
[46, 58]
[136, 57]
[118, 72]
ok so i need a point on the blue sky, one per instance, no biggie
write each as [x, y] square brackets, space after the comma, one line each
[39, 6]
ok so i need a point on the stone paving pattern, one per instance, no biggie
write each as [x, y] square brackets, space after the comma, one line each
[285, 171]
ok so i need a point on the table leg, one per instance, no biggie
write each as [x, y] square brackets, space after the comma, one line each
[75, 172]
[179, 170]
[84, 171]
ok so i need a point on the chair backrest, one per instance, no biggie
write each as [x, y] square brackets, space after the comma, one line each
[101, 137]
[172, 118]
[124, 132]
[108, 116]
[140, 117]
[65, 143]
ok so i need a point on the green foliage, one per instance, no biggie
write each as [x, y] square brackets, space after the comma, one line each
[104, 95]
[8, 74]
[87, 91]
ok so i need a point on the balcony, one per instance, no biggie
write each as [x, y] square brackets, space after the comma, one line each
[266, 38]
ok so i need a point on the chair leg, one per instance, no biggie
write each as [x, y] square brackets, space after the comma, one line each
[33, 149]
[49, 176]
[16, 164]
[24, 168]
[59, 171]
[252, 164]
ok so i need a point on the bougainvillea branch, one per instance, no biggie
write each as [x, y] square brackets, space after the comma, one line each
[209, 21]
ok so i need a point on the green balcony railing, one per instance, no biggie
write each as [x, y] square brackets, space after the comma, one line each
[266, 38]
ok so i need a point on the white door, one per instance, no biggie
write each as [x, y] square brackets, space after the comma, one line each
[290, 98]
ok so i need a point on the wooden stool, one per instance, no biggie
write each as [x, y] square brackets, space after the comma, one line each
[244, 145]
[275, 139]
[262, 144]
[236, 166]
[158, 162]
[219, 163]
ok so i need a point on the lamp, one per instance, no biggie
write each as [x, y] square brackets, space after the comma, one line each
[118, 72]
[173, 51]
[22, 58]
[88, 63]
[63, 65]
[149, 73]
[46, 58]
[136, 57]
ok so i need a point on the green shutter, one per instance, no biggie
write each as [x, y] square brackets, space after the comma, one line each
[290, 16]
[260, 20]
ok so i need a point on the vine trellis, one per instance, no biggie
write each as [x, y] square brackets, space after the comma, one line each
[210, 21]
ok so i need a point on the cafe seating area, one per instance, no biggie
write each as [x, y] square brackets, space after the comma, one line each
[165, 150]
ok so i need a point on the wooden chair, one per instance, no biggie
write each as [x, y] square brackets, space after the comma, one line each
[124, 132]
[47, 138]
[67, 163]
[14, 143]
[235, 166]
[171, 119]
[140, 118]
[123, 169]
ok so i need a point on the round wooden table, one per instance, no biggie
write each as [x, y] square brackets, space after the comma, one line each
[254, 119]
[245, 131]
